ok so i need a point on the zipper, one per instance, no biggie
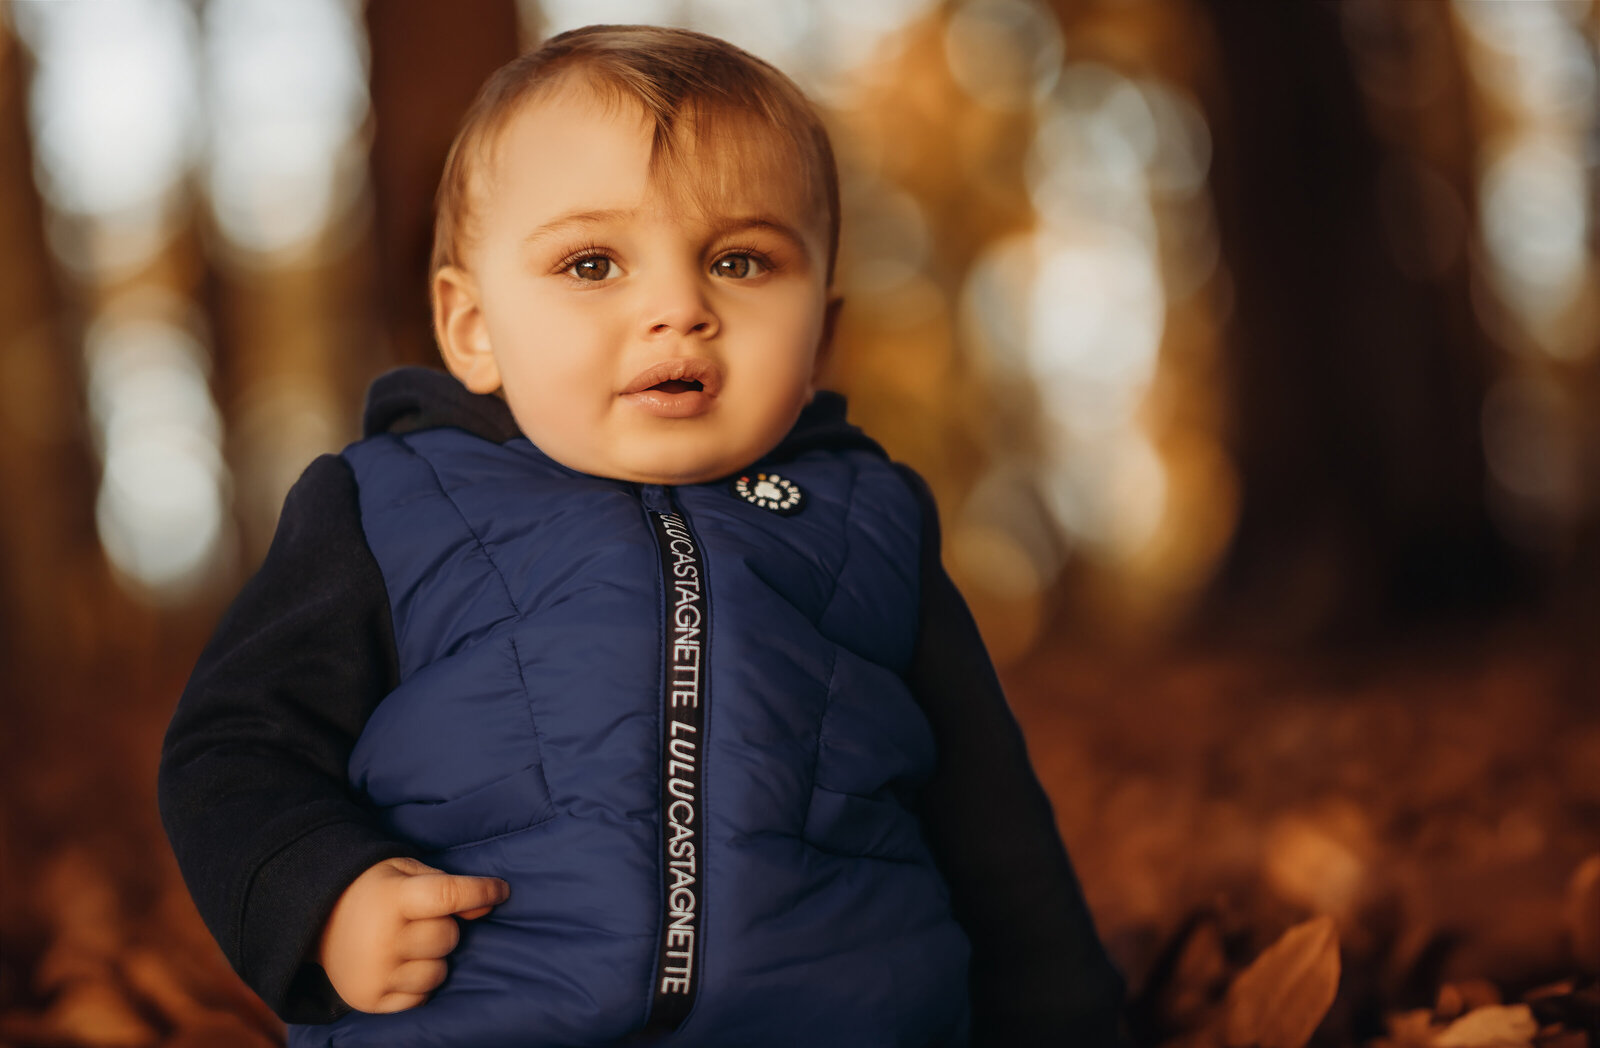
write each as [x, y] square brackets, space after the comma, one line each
[685, 618]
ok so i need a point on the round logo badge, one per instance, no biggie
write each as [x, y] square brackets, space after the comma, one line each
[770, 491]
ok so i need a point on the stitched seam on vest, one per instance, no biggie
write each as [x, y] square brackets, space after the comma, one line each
[816, 754]
[538, 818]
[534, 825]
[533, 722]
[849, 548]
[505, 585]
[867, 856]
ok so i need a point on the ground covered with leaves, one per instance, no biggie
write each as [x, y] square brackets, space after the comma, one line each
[1396, 847]
[1393, 850]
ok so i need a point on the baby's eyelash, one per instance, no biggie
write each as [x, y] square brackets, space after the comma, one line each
[756, 253]
[587, 251]
[593, 250]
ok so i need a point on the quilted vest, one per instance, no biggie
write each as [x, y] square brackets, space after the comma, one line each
[674, 719]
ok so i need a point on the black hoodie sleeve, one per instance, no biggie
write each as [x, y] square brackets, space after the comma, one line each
[1039, 974]
[252, 785]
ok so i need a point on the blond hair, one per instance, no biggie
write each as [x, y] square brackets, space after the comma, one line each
[688, 83]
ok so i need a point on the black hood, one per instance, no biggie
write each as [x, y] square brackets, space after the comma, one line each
[409, 399]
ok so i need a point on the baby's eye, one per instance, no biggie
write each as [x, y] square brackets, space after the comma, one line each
[739, 266]
[593, 268]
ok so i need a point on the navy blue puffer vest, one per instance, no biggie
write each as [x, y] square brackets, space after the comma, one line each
[674, 720]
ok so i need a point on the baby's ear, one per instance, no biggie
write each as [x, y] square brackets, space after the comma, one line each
[830, 319]
[463, 336]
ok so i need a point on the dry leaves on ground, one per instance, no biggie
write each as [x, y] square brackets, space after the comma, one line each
[1280, 999]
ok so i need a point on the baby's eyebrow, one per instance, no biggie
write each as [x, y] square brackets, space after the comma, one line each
[575, 218]
[721, 226]
[741, 223]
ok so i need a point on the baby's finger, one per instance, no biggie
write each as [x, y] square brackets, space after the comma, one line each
[426, 940]
[417, 977]
[442, 894]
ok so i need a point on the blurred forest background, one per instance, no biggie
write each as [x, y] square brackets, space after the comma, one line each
[1252, 349]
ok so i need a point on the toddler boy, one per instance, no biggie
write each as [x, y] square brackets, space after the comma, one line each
[622, 646]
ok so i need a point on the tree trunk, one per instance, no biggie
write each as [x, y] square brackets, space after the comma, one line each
[428, 60]
[1356, 385]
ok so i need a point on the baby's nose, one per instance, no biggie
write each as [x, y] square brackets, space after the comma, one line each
[681, 307]
[691, 327]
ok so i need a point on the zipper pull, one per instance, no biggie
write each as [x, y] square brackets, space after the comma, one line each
[656, 497]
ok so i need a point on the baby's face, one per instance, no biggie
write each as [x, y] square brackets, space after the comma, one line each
[636, 331]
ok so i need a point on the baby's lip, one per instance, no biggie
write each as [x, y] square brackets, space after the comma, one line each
[684, 369]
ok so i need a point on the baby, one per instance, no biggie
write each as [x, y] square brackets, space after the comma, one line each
[611, 689]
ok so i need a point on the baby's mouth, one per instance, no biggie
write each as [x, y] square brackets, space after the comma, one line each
[679, 376]
[681, 388]
[678, 385]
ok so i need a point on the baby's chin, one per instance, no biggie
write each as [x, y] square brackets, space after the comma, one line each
[680, 473]
[658, 465]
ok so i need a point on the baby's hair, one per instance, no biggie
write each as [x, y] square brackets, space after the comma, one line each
[693, 87]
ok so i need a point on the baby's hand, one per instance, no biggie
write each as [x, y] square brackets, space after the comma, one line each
[385, 941]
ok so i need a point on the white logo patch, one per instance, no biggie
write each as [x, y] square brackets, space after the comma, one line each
[770, 491]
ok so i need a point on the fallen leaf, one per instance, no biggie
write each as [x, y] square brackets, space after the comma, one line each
[1564, 988]
[1583, 914]
[1280, 999]
[1562, 1038]
[1412, 1029]
[1567, 1004]
[95, 1013]
[219, 1031]
[1197, 979]
[149, 975]
[1492, 1026]
[1475, 994]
